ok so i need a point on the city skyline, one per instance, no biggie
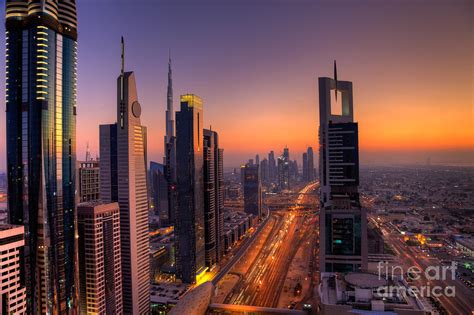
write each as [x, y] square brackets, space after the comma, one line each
[394, 78]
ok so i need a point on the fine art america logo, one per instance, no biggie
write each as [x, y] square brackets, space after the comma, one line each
[426, 280]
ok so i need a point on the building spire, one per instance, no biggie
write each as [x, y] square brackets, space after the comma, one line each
[88, 153]
[123, 57]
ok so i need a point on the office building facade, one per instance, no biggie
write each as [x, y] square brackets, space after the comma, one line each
[124, 180]
[13, 293]
[100, 265]
[252, 190]
[41, 55]
[89, 180]
[189, 223]
[343, 222]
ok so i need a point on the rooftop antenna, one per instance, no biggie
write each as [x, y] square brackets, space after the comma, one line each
[88, 152]
[335, 78]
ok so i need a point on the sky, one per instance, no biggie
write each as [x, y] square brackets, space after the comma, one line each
[255, 64]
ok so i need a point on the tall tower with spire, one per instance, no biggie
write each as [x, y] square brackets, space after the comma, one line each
[169, 107]
[170, 149]
[123, 179]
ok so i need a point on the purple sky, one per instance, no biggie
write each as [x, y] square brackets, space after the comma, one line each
[256, 63]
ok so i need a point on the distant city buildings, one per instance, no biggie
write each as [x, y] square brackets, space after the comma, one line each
[343, 222]
[41, 80]
[189, 226]
[89, 180]
[100, 264]
[308, 165]
[13, 292]
[124, 180]
[252, 190]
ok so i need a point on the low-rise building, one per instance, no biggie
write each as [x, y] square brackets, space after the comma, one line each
[12, 294]
[365, 292]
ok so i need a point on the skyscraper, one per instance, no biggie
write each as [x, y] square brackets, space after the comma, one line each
[272, 167]
[343, 223]
[284, 170]
[41, 54]
[308, 165]
[305, 167]
[252, 190]
[124, 180]
[99, 258]
[213, 198]
[257, 159]
[189, 223]
[159, 192]
[311, 171]
[264, 172]
[170, 149]
[13, 293]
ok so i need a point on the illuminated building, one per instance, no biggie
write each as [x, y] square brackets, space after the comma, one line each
[343, 222]
[13, 293]
[213, 198]
[189, 223]
[123, 179]
[41, 55]
[252, 190]
[284, 170]
[99, 258]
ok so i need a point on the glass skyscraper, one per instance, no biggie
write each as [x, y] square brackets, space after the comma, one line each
[41, 54]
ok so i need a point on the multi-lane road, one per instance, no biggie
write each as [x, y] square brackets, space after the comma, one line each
[461, 303]
[263, 282]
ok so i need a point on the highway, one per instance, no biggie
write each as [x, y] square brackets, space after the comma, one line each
[263, 283]
[462, 303]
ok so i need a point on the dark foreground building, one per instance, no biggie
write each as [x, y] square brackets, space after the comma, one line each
[343, 222]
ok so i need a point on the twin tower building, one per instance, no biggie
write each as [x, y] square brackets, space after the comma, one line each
[94, 257]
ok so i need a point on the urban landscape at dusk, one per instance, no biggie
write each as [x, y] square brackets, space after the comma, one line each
[237, 157]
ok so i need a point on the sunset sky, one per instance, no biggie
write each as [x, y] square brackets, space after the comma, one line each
[255, 64]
